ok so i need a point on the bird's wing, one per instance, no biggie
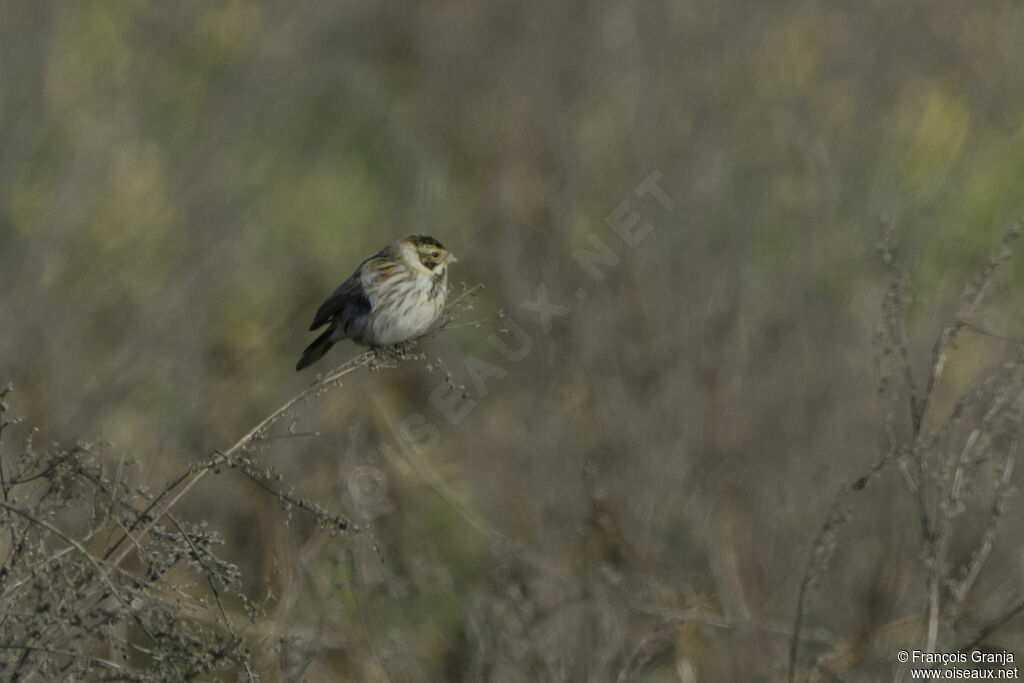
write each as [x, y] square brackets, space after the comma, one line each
[349, 295]
[377, 269]
[354, 296]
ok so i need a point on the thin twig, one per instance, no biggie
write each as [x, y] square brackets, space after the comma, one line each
[61, 653]
[961, 588]
[216, 594]
[967, 314]
[993, 626]
[88, 556]
[194, 476]
[195, 473]
[979, 439]
[822, 551]
[325, 518]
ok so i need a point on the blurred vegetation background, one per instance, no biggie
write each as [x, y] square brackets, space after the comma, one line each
[637, 497]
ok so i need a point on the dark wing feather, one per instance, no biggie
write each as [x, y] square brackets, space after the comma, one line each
[349, 300]
[348, 295]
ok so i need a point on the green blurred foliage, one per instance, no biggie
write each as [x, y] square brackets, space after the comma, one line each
[181, 184]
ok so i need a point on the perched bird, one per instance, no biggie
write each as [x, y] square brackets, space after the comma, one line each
[395, 295]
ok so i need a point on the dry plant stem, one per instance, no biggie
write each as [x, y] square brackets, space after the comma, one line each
[967, 314]
[934, 576]
[468, 292]
[60, 653]
[84, 553]
[824, 542]
[216, 593]
[940, 353]
[114, 588]
[4, 486]
[822, 552]
[127, 532]
[994, 626]
[260, 479]
[142, 516]
[194, 476]
[895, 338]
[962, 588]
[979, 439]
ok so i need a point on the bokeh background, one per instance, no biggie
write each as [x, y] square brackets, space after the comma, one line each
[637, 496]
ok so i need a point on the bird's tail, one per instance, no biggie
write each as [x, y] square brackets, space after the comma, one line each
[316, 350]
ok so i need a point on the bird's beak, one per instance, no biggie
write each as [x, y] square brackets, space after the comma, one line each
[451, 258]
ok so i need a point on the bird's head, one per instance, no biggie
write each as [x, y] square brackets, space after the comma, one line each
[430, 253]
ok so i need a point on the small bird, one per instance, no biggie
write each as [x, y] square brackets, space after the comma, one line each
[392, 297]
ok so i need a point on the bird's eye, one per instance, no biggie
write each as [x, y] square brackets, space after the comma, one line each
[435, 254]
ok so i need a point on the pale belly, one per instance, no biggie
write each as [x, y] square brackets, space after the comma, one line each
[398, 323]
